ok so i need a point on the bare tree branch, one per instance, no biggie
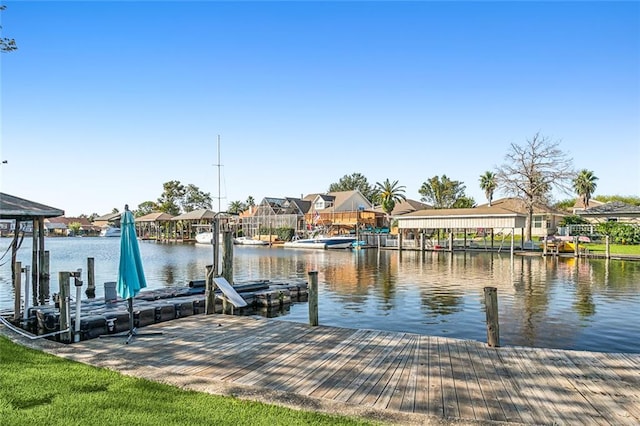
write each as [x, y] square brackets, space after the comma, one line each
[532, 170]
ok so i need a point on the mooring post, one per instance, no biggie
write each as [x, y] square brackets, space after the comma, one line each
[451, 241]
[44, 280]
[210, 297]
[607, 249]
[576, 250]
[25, 309]
[17, 287]
[65, 311]
[227, 256]
[493, 326]
[313, 298]
[91, 278]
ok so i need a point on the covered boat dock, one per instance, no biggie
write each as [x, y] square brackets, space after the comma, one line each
[29, 212]
[424, 222]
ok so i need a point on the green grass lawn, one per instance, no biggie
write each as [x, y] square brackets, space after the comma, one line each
[613, 248]
[40, 389]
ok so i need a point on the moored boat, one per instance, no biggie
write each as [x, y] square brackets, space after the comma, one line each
[248, 241]
[322, 243]
[110, 231]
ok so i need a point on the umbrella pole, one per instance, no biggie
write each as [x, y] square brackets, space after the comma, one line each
[132, 329]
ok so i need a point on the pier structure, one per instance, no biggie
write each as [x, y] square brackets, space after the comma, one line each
[393, 377]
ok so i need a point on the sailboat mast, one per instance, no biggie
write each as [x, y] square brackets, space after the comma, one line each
[218, 173]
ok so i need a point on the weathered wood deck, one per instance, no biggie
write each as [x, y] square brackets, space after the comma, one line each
[383, 372]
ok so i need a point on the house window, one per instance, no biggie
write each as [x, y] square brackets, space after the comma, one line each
[537, 221]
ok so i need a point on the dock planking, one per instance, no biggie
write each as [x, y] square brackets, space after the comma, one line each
[377, 370]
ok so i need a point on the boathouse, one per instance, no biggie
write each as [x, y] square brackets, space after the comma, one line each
[24, 212]
[423, 223]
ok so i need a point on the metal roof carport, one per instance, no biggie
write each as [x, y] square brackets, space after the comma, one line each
[473, 218]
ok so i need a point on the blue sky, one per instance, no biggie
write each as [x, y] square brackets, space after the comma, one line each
[105, 101]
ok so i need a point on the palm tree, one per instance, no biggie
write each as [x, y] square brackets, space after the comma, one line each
[585, 185]
[389, 194]
[250, 201]
[236, 207]
[488, 184]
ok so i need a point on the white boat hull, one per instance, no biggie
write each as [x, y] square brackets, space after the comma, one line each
[110, 232]
[322, 243]
[246, 241]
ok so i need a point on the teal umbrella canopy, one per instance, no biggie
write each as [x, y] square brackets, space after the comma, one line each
[130, 273]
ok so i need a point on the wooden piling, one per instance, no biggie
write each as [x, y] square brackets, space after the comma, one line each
[17, 286]
[65, 314]
[576, 250]
[44, 277]
[91, 278]
[493, 326]
[227, 257]
[313, 298]
[607, 248]
[210, 298]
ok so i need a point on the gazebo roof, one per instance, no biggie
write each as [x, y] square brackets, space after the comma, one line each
[196, 215]
[154, 217]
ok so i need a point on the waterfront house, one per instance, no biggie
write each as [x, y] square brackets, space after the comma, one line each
[62, 226]
[545, 219]
[341, 212]
[274, 213]
[615, 211]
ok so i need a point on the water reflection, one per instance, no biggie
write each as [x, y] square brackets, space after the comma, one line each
[549, 302]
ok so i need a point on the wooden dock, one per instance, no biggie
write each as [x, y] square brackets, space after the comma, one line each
[384, 375]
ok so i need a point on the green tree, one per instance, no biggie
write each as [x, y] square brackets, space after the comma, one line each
[74, 227]
[441, 192]
[572, 220]
[464, 202]
[631, 200]
[532, 170]
[195, 199]
[169, 201]
[7, 44]
[145, 208]
[236, 207]
[390, 194]
[250, 202]
[585, 185]
[565, 204]
[488, 184]
[352, 182]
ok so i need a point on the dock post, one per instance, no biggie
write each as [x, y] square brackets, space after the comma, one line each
[227, 256]
[209, 295]
[17, 287]
[65, 311]
[575, 246]
[493, 326]
[44, 279]
[607, 248]
[451, 241]
[91, 278]
[25, 310]
[313, 298]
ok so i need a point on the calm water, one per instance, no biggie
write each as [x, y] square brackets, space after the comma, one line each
[543, 302]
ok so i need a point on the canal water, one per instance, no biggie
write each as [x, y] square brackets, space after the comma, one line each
[563, 303]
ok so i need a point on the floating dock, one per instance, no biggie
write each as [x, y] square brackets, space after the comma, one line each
[103, 317]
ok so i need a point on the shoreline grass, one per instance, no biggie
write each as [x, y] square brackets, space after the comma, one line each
[39, 388]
